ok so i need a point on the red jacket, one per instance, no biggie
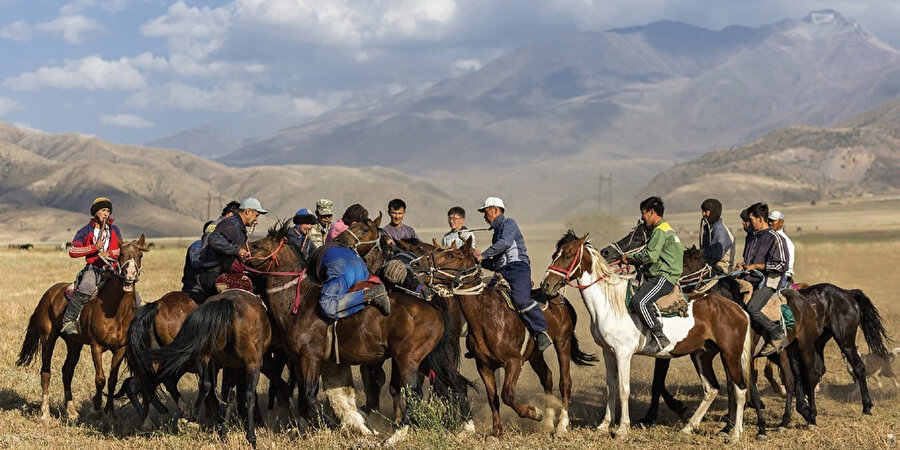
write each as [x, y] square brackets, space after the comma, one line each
[84, 243]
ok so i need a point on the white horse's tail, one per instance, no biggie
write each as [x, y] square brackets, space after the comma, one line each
[747, 354]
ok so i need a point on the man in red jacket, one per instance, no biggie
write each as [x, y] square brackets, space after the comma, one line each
[98, 242]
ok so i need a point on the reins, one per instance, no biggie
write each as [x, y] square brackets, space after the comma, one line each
[273, 259]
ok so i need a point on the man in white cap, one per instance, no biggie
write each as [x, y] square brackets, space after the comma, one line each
[225, 247]
[508, 257]
[324, 215]
[776, 221]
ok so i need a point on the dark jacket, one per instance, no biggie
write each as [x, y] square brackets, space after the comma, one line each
[766, 247]
[190, 281]
[224, 243]
[717, 242]
[303, 245]
[507, 245]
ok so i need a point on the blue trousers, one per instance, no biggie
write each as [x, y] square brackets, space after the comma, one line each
[338, 307]
[518, 274]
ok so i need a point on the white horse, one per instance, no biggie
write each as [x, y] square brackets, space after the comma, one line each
[711, 321]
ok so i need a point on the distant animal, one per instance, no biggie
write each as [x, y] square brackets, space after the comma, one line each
[26, 246]
[878, 367]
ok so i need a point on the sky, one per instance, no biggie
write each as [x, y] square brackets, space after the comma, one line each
[131, 71]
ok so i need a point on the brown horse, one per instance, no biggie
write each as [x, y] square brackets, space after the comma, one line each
[713, 324]
[103, 323]
[497, 337]
[413, 335]
[229, 331]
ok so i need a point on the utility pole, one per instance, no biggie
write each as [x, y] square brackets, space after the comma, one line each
[608, 179]
[208, 204]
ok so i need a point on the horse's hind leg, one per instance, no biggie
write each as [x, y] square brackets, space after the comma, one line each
[564, 359]
[118, 355]
[373, 379]
[851, 353]
[787, 377]
[249, 383]
[46, 360]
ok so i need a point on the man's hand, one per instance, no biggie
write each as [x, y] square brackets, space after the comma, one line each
[243, 254]
[478, 256]
[103, 255]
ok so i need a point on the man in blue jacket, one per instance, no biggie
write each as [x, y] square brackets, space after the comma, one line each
[226, 244]
[508, 257]
[716, 240]
[340, 268]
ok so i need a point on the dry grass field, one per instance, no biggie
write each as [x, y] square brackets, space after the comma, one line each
[848, 255]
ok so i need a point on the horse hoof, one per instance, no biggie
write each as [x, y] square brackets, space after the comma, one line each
[538, 414]
[688, 430]
[781, 429]
[761, 438]
[812, 427]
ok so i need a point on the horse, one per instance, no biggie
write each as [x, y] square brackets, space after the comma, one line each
[103, 324]
[414, 335]
[229, 331]
[497, 337]
[713, 324]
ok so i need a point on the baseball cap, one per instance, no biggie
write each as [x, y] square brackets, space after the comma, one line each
[325, 207]
[492, 201]
[776, 215]
[252, 203]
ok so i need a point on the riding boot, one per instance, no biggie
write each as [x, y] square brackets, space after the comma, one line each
[542, 341]
[659, 338]
[775, 345]
[73, 312]
[377, 297]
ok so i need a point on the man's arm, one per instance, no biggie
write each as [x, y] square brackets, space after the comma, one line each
[650, 253]
[777, 257]
[219, 241]
[506, 239]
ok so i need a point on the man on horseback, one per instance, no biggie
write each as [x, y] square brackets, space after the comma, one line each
[340, 268]
[98, 243]
[300, 236]
[716, 240]
[226, 244]
[776, 221]
[661, 266]
[766, 253]
[508, 257]
[324, 214]
[190, 276]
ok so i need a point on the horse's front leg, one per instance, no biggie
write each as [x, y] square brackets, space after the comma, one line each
[99, 376]
[612, 390]
[118, 355]
[702, 360]
[73, 354]
[623, 364]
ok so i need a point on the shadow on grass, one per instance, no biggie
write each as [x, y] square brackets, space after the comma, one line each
[11, 400]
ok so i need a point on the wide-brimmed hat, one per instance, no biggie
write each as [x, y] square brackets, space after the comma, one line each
[252, 203]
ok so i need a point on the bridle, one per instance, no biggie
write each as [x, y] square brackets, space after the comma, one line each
[272, 258]
[358, 242]
[456, 276]
[622, 253]
[122, 270]
[575, 265]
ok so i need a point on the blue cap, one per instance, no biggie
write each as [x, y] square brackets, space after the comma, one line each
[303, 212]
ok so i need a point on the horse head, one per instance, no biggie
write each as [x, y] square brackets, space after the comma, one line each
[449, 266]
[570, 261]
[693, 260]
[129, 262]
[364, 237]
[267, 249]
[632, 242]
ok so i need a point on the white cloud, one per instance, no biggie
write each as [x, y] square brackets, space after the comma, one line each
[191, 31]
[16, 31]
[8, 104]
[462, 66]
[230, 97]
[72, 28]
[92, 73]
[126, 121]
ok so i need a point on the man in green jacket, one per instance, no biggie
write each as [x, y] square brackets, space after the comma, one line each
[661, 262]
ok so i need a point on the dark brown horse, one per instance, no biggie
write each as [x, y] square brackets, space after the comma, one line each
[229, 331]
[497, 337]
[413, 335]
[103, 323]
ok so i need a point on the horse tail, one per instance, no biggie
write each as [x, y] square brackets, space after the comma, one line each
[578, 357]
[138, 342]
[871, 324]
[206, 326]
[443, 361]
[31, 343]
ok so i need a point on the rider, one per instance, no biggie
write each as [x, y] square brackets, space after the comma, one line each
[300, 236]
[661, 262]
[341, 268]
[508, 257]
[324, 214]
[458, 233]
[225, 245]
[354, 213]
[98, 242]
[766, 253]
[190, 278]
[776, 221]
[716, 240]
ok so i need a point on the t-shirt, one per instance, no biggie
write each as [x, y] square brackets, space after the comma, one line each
[400, 233]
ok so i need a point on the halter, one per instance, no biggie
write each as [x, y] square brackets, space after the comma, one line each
[622, 253]
[376, 241]
[457, 279]
[112, 263]
[273, 259]
[576, 265]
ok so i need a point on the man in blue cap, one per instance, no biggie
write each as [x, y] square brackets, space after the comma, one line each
[226, 245]
[300, 237]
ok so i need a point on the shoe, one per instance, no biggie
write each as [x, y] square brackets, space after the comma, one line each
[661, 340]
[73, 312]
[774, 346]
[542, 341]
[377, 297]
[69, 328]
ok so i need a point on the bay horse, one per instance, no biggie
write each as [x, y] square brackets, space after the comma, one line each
[103, 323]
[713, 324]
[229, 331]
[414, 335]
[497, 337]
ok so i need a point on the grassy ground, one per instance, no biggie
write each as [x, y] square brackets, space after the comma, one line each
[863, 261]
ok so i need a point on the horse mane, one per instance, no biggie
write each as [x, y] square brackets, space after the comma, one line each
[281, 229]
[568, 237]
[613, 285]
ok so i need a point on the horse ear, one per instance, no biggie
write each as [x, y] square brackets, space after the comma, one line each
[584, 238]
[377, 220]
[453, 246]
[467, 246]
[141, 242]
[434, 242]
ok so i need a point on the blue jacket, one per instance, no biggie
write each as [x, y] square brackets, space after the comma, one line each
[304, 245]
[223, 244]
[716, 241]
[507, 245]
[189, 279]
[343, 269]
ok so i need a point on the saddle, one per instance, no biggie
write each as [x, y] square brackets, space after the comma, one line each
[227, 281]
[505, 290]
[673, 304]
[773, 307]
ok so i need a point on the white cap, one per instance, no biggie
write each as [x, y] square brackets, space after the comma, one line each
[492, 201]
[252, 203]
[776, 215]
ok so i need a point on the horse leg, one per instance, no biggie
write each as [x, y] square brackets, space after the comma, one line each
[512, 370]
[623, 365]
[46, 359]
[807, 359]
[539, 365]
[757, 406]
[660, 370]
[490, 388]
[859, 373]
[411, 395]
[118, 356]
[250, 382]
[563, 357]
[373, 379]
[204, 386]
[99, 376]
[737, 380]
[337, 381]
[73, 354]
[612, 393]
[769, 372]
[702, 360]
[787, 378]
[308, 371]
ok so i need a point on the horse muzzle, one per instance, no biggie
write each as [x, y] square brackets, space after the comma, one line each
[551, 289]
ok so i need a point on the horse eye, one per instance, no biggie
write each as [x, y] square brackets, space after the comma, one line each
[450, 256]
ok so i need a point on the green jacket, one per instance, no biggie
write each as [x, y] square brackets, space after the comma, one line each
[663, 254]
